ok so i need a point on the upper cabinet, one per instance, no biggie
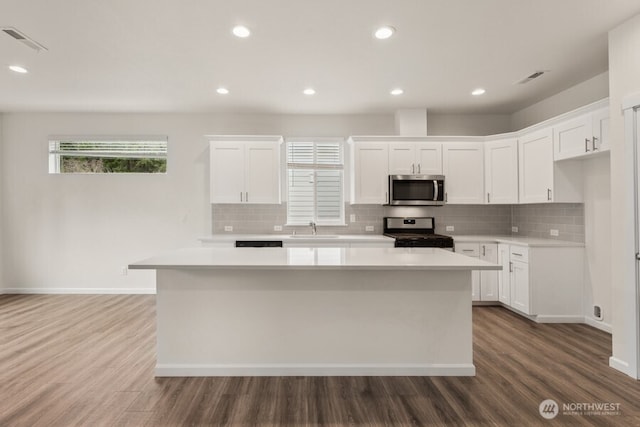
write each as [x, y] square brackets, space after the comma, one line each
[540, 179]
[582, 136]
[245, 169]
[369, 172]
[501, 171]
[463, 167]
[415, 158]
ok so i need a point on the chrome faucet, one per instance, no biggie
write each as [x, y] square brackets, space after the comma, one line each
[314, 231]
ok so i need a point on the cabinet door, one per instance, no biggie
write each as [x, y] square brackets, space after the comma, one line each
[227, 172]
[429, 158]
[370, 174]
[535, 161]
[489, 279]
[463, 166]
[501, 171]
[475, 286]
[402, 159]
[262, 173]
[504, 279]
[573, 138]
[520, 286]
[601, 141]
[472, 250]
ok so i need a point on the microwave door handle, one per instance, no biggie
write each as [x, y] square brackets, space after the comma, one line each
[435, 190]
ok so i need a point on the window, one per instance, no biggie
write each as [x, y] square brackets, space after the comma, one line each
[315, 180]
[108, 155]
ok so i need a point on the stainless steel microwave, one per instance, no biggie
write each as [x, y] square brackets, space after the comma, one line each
[416, 190]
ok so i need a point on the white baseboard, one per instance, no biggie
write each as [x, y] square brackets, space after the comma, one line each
[544, 318]
[75, 291]
[233, 370]
[619, 365]
[606, 327]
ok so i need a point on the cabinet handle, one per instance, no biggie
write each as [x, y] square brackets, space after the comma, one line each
[594, 144]
[586, 145]
[413, 168]
[241, 196]
[548, 194]
[467, 250]
[484, 250]
[445, 197]
[510, 267]
[516, 254]
[418, 167]
[488, 198]
[246, 196]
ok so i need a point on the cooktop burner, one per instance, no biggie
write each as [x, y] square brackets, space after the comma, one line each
[415, 232]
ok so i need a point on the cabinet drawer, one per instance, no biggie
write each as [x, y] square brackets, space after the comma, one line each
[519, 253]
[469, 249]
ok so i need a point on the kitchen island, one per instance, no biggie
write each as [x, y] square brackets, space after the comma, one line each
[313, 311]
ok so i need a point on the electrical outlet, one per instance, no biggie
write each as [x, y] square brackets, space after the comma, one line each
[352, 218]
[277, 228]
[514, 229]
[553, 232]
[368, 228]
[450, 228]
[228, 228]
[124, 270]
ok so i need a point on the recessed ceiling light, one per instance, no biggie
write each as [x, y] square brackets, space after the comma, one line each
[397, 92]
[222, 90]
[241, 31]
[384, 32]
[309, 91]
[18, 69]
[477, 92]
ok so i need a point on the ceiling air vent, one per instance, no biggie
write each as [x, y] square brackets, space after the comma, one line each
[530, 77]
[21, 37]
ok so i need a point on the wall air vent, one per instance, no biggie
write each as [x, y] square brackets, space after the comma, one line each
[21, 37]
[530, 77]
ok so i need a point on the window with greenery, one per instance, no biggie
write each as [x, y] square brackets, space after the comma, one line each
[315, 170]
[108, 155]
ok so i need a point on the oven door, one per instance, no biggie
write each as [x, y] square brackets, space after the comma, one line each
[416, 190]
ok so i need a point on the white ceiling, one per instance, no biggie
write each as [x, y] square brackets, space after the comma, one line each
[171, 55]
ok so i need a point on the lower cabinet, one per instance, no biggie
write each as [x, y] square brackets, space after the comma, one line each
[484, 284]
[542, 282]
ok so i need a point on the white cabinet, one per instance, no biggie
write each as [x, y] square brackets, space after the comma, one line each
[369, 173]
[504, 279]
[582, 136]
[519, 277]
[501, 171]
[540, 179]
[415, 158]
[484, 284]
[489, 279]
[245, 170]
[463, 167]
[542, 282]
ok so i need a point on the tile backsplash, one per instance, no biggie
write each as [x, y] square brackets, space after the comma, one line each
[531, 220]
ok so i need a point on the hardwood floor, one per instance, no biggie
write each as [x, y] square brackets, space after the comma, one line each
[88, 360]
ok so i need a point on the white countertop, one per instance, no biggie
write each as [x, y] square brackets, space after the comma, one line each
[299, 238]
[314, 259]
[517, 240]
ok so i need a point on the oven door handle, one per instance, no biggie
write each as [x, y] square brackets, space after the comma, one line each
[435, 190]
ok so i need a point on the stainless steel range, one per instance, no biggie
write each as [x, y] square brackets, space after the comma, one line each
[416, 232]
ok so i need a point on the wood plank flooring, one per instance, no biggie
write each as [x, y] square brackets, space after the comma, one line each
[88, 360]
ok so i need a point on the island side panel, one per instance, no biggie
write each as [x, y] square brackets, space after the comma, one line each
[223, 322]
